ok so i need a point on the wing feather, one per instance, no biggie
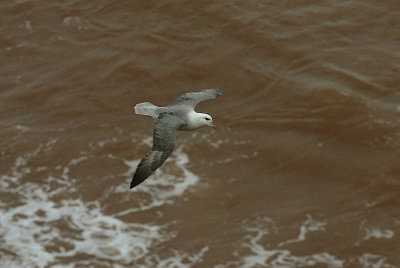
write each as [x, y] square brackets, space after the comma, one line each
[193, 98]
[163, 144]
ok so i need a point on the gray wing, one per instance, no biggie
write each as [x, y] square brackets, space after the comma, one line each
[163, 145]
[193, 98]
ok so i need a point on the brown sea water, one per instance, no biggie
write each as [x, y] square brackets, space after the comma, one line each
[302, 171]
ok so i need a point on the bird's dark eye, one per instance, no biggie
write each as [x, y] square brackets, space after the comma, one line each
[206, 118]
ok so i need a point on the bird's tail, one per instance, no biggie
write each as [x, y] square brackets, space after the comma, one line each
[146, 108]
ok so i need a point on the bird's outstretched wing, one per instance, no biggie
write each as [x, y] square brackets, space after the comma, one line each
[193, 98]
[163, 145]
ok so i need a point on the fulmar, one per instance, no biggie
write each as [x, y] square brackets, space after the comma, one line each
[179, 115]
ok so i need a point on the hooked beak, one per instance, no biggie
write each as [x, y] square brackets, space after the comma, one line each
[213, 125]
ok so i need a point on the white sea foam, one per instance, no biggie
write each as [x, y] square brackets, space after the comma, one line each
[179, 259]
[28, 25]
[266, 255]
[80, 24]
[41, 230]
[22, 128]
[375, 232]
[107, 141]
[369, 260]
[36, 231]
[378, 233]
[309, 225]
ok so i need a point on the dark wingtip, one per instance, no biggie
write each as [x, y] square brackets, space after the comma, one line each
[134, 183]
[216, 91]
[139, 176]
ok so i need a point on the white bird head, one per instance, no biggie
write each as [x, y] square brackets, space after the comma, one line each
[198, 120]
[208, 121]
